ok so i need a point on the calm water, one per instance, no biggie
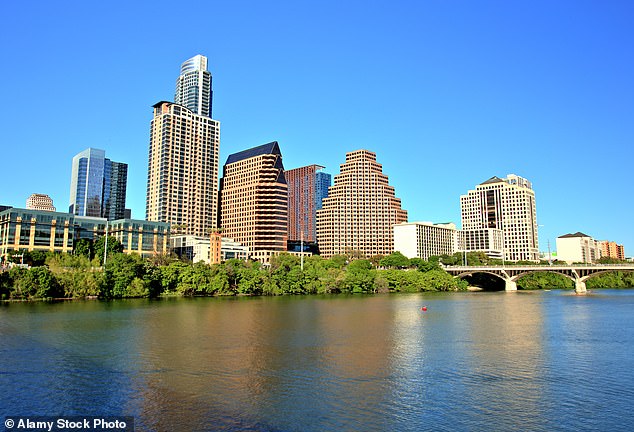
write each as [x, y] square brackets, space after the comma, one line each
[543, 361]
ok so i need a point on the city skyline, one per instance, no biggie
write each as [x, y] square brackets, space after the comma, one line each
[446, 96]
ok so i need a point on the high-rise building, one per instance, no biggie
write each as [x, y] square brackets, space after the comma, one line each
[578, 247]
[254, 200]
[360, 210]
[40, 202]
[425, 239]
[611, 249]
[307, 187]
[507, 204]
[86, 183]
[193, 86]
[182, 186]
[97, 185]
[115, 185]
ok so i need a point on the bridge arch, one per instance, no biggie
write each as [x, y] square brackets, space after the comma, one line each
[565, 273]
[510, 274]
[494, 274]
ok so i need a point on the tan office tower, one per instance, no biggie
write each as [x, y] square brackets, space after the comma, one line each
[40, 202]
[360, 210]
[254, 200]
[182, 185]
[507, 204]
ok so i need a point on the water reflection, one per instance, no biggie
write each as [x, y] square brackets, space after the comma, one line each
[257, 356]
[483, 361]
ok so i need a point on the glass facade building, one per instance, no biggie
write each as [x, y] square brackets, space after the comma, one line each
[86, 183]
[193, 86]
[97, 185]
[23, 229]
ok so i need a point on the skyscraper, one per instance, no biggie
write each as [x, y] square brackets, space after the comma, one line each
[115, 184]
[193, 86]
[254, 200]
[182, 186]
[507, 204]
[360, 210]
[93, 190]
[307, 187]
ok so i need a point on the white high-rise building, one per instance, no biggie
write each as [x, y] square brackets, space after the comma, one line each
[193, 86]
[509, 205]
[182, 185]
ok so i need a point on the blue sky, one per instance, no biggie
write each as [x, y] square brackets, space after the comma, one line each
[447, 93]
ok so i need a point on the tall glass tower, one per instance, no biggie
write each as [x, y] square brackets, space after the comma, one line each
[193, 86]
[97, 185]
[86, 183]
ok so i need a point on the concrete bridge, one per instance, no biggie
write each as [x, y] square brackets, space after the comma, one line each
[510, 274]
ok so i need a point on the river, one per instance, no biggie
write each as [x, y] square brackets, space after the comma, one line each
[538, 361]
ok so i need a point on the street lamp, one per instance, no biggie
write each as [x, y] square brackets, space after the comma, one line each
[105, 248]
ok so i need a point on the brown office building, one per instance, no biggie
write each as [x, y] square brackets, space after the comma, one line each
[307, 187]
[360, 210]
[254, 200]
[182, 186]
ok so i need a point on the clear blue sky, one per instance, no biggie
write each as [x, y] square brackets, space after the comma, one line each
[447, 93]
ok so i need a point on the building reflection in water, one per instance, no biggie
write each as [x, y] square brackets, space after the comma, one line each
[238, 361]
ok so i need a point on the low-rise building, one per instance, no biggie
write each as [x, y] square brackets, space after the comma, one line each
[425, 239]
[30, 230]
[578, 247]
[198, 248]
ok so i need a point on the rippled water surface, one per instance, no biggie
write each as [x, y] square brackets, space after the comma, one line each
[543, 361]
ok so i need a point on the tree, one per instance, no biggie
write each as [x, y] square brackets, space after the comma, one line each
[250, 278]
[35, 258]
[395, 260]
[286, 274]
[544, 280]
[359, 277]
[336, 261]
[423, 265]
[120, 273]
[114, 247]
[440, 280]
[450, 260]
[170, 275]
[376, 260]
[609, 260]
[84, 247]
[355, 254]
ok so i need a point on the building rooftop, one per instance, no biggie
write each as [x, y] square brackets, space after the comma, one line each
[269, 148]
[577, 234]
[493, 179]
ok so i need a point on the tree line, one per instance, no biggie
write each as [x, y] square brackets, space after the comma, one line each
[84, 275]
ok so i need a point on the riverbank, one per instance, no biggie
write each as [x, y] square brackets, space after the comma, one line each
[130, 276]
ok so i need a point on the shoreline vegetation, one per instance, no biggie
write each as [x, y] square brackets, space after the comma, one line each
[77, 276]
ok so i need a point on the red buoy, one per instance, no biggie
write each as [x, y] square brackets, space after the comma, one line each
[424, 308]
